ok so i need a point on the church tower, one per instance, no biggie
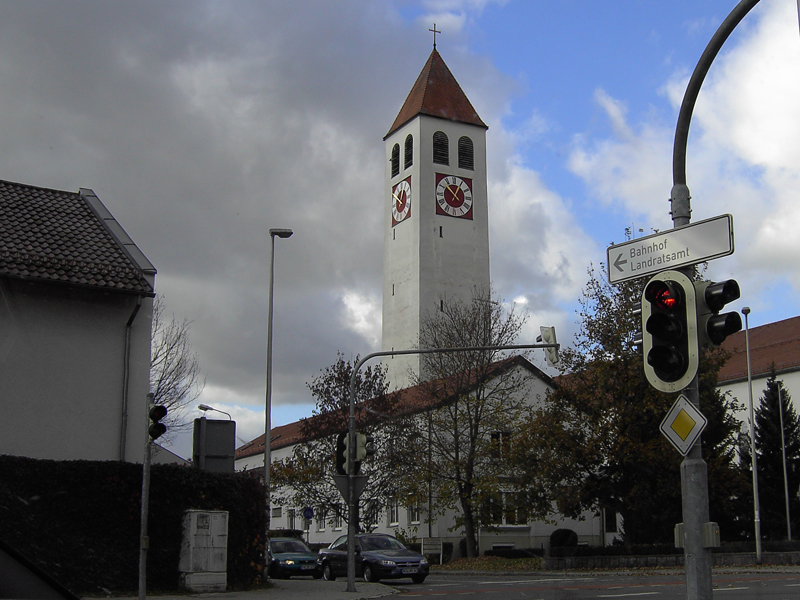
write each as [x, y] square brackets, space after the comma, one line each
[436, 226]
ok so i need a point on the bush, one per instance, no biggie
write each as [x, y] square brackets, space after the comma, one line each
[516, 552]
[79, 520]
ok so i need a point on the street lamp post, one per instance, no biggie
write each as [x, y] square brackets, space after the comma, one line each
[206, 407]
[273, 233]
[756, 508]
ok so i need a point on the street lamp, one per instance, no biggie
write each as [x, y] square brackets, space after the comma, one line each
[206, 407]
[273, 233]
[756, 509]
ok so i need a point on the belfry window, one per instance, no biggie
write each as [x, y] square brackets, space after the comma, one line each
[441, 148]
[395, 160]
[409, 152]
[466, 154]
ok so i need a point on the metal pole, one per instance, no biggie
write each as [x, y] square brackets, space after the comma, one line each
[756, 507]
[783, 452]
[282, 233]
[144, 539]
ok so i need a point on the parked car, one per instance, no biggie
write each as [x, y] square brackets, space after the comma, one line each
[290, 556]
[378, 556]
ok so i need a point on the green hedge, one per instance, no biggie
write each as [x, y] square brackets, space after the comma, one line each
[79, 520]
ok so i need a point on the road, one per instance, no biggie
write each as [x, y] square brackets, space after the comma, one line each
[735, 585]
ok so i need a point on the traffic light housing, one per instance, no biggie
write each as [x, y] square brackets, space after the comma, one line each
[549, 337]
[669, 331]
[157, 412]
[341, 453]
[712, 296]
[364, 448]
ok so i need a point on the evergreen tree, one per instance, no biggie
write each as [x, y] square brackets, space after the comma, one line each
[772, 495]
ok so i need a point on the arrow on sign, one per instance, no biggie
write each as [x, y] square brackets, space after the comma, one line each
[619, 262]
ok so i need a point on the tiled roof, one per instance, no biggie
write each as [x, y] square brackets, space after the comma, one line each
[777, 343]
[67, 237]
[407, 401]
[436, 93]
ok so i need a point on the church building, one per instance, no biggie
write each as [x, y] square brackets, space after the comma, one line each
[436, 222]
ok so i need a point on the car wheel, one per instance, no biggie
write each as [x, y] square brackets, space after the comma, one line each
[327, 573]
[369, 574]
[418, 578]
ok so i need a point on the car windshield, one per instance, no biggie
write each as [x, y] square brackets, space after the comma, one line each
[281, 546]
[380, 542]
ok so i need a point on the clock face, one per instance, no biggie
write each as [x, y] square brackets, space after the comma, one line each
[453, 196]
[401, 201]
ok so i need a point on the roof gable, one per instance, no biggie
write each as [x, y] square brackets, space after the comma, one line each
[68, 237]
[436, 93]
[777, 343]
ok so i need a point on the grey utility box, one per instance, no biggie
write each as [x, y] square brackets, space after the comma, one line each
[203, 562]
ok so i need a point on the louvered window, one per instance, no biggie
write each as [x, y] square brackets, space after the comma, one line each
[409, 152]
[441, 148]
[395, 159]
[466, 154]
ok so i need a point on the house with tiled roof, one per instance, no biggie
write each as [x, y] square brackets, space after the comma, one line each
[75, 315]
[775, 344]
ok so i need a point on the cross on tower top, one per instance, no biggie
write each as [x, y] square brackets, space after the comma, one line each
[435, 31]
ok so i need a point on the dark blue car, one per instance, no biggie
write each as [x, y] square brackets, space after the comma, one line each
[378, 556]
[290, 556]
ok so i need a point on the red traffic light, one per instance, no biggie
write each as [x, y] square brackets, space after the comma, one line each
[665, 295]
[157, 412]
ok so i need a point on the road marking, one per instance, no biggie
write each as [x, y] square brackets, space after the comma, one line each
[730, 589]
[629, 595]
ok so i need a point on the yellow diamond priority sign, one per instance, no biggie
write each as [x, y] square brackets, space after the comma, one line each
[683, 424]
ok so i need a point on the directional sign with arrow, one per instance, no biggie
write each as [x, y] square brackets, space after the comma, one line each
[679, 247]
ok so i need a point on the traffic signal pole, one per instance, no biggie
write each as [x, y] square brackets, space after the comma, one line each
[694, 473]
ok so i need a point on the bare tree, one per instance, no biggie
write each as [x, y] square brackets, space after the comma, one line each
[175, 378]
[479, 398]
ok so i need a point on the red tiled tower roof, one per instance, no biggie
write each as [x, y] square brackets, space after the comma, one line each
[436, 93]
[777, 343]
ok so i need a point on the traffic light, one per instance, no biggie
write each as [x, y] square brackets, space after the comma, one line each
[549, 337]
[157, 428]
[364, 448]
[711, 298]
[669, 331]
[341, 453]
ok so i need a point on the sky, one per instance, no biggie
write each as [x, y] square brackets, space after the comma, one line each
[203, 124]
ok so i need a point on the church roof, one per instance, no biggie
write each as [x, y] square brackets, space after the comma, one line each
[436, 93]
[68, 237]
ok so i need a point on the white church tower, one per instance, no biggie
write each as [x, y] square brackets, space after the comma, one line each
[436, 226]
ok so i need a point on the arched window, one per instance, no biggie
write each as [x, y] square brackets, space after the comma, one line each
[441, 148]
[395, 159]
[409, 152]
[466, 154]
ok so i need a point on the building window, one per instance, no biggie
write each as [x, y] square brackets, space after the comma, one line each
[337, 517]
[441, 148]
[466, 154]
[505, 508]
[372, 512]
[290, 518]
[409, 152]
[394, 512]
[413, 514]
[395, 159]
[501, 444]
[322, 517]
[276, 512]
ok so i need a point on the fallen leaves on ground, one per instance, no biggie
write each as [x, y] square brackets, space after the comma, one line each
[490, 563]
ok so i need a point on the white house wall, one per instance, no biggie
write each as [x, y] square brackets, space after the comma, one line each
[62, 354]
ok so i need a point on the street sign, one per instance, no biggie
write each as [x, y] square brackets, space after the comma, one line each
[683, 424]
[679, 247]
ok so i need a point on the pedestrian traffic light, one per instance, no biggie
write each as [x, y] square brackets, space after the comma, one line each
[341, 453]
[669, 331]
[711, 298]
[549, 337]
[157, 428]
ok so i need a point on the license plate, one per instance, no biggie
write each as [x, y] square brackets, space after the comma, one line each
[307, 567]
[409, 571]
